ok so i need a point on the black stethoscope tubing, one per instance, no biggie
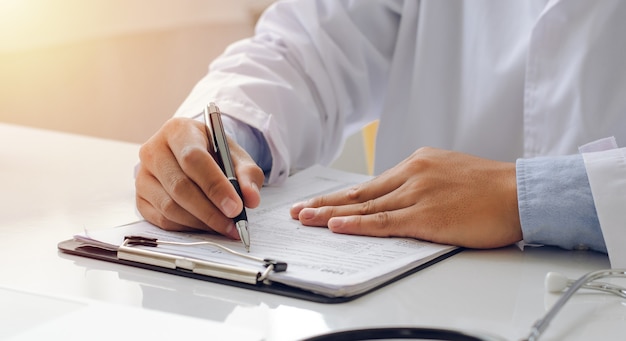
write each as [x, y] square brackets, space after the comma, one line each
[397, 333]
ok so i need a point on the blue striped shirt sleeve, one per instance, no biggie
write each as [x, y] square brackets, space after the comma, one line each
[556, 205]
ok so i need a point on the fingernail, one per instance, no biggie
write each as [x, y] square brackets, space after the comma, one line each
[255, 187]
[307, 213]
[228, 207]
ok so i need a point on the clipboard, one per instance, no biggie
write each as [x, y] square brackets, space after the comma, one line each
[161, 262]
[321, 266]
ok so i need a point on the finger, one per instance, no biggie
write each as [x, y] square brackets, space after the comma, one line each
[195, 161]
[189, 196]
[249, 175]
[377, 224]
[159, 208]
[393, 224]
[404, 223]
[178, 186]
[151, 214]
[361, 193]
[319, 216]
[154, 216]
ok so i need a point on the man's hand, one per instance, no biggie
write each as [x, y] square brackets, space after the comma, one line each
[434, 195]
[179, 186]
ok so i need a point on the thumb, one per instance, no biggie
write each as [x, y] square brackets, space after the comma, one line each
[249, 175]
[250, 178]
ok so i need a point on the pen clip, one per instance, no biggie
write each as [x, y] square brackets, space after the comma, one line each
[211, 145]
[218, 142]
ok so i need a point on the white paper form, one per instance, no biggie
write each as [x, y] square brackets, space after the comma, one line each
[318, 260]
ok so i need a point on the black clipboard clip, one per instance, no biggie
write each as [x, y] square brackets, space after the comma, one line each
[130, 251]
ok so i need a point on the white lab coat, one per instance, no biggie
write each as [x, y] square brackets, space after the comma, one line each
[497, 79]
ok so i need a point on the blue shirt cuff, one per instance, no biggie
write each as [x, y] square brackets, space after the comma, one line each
[556, 205]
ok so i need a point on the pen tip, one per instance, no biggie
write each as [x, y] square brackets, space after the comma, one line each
[242, 227]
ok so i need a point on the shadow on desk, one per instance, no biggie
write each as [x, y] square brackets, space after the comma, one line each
[174, 294]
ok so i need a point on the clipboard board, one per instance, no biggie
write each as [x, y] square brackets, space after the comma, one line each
[84, 249]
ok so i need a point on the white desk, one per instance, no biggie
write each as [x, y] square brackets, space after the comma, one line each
[53, 185]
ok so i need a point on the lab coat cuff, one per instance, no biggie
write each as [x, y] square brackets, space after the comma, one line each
[607, 176]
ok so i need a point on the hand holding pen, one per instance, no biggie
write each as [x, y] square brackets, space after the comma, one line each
[181, 187]
[219, 146]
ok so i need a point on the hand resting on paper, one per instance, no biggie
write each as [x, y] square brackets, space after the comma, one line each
[434, 195]
[180, 186]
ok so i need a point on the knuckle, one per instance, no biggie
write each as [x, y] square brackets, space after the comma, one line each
[418, 161]
[252, 170]
[367, 207]
[169, 225]
[159, 220]
[355, 194]
[180, 187]
[168, 207]
[155, 215]
[146, 153]
[257, 173]
[328, 212]
[142, 205]
[162, 222]
[320, 201]
[425, 150]
[382, 218]
[191, 156]
[415, 187]
[173, 123]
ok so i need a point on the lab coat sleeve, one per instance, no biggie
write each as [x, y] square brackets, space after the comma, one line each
[314, 72]
[606, 171]
[556, 204]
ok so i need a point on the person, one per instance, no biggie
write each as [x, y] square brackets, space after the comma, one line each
[482, 108]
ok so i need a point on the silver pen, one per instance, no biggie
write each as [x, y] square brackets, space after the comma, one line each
[219, 145]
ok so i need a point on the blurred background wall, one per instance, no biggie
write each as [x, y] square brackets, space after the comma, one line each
[116, 69]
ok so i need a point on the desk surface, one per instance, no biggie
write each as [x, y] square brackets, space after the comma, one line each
[54, 185]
